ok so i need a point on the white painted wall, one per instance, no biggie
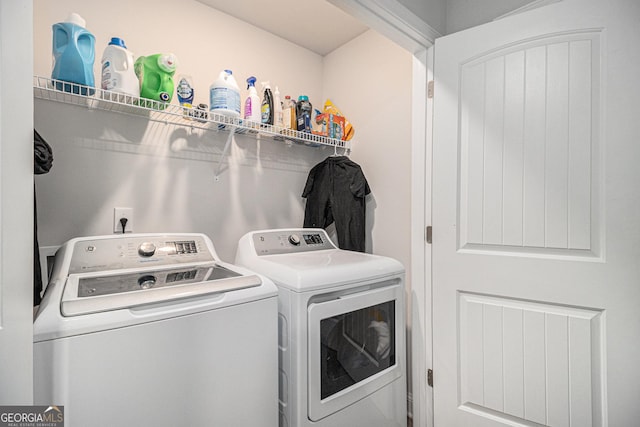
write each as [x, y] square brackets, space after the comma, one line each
[463, 14]
[370, 78]
[450, 16]
[433, 12]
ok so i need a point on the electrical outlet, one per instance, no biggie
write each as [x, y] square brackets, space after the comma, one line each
[119, 213]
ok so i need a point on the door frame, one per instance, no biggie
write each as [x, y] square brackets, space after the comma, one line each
[421, 338]
[16, 202]
[394, 21]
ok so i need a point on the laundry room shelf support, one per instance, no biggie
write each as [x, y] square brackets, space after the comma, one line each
[224, 153]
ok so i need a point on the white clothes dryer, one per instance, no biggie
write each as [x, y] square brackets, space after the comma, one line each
[155, 330]
[341, 329]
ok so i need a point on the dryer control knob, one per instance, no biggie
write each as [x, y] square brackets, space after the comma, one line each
[294, 239]
[147, 281]
[146, 249]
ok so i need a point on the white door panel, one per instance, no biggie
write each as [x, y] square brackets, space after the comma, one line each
[535, 219]
[529, 360]
[529, 147]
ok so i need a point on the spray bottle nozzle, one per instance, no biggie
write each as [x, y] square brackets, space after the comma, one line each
[251, 81]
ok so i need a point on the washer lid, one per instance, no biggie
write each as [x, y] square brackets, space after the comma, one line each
[92, 293]
[305, 271]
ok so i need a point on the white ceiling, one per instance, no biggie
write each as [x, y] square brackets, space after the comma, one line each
[313, 24]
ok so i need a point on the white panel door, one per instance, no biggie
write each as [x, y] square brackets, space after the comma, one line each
[536, 219]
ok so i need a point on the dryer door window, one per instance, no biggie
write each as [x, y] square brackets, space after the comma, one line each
[356, 345]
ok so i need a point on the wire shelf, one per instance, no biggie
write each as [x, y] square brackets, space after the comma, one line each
[94, 98]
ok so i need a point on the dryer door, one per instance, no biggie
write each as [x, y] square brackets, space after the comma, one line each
[356, 346]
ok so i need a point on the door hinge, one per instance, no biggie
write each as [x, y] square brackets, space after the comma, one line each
[430, 89]
[430, 377]
[428, 235]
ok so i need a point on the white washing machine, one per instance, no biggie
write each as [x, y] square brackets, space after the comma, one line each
[341, 329]
[155, 330]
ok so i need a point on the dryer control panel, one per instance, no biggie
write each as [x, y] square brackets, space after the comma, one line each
[291, 241]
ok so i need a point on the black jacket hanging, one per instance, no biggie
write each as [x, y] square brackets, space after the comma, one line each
[335, 192]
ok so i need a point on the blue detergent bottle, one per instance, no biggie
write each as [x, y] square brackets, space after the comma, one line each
[73, 55]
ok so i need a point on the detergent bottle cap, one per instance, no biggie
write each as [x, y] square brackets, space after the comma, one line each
[76, 19]
[168, 62]
[117, 41]
[228, 72]
[303, 98]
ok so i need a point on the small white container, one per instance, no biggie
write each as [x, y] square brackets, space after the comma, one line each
[118, 74]
[278, 118]
[224, 95]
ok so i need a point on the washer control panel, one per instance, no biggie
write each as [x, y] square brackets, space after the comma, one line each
[129, 252]
[291, 241]
[93, 286]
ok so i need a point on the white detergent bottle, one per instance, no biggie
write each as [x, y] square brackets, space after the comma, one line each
[252, 103]
[277, 109]
[118, 74]
[224, 95]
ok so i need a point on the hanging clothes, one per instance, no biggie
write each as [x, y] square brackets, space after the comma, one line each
[43, 160]
[335, 192]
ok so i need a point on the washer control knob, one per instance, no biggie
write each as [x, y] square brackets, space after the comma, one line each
[294, 239]
[146, 249]
[147, 281]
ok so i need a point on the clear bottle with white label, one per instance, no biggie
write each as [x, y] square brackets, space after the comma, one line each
[277, 109]
[289, 113]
